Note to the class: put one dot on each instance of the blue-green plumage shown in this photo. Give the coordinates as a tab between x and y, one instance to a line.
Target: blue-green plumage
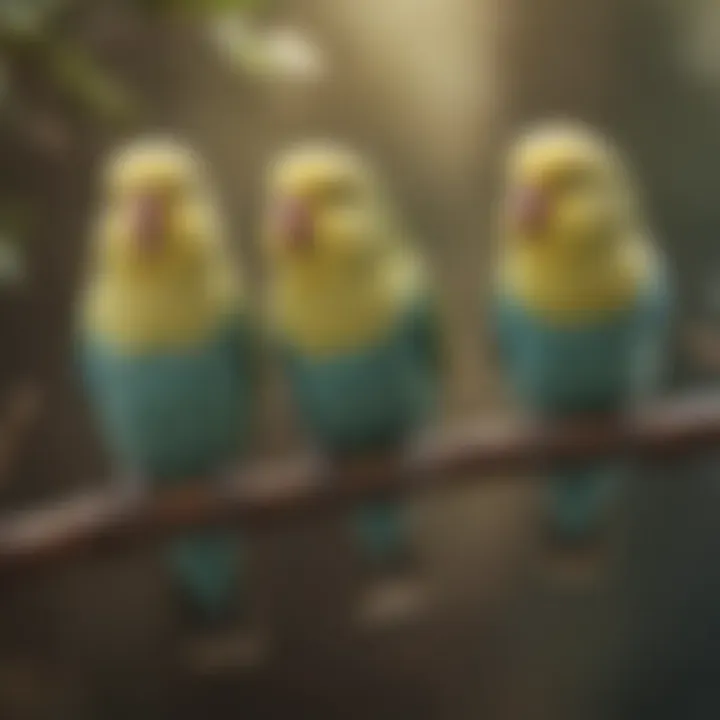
174	416
370	400
558	371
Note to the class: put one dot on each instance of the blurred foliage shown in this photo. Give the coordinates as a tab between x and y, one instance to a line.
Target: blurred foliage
14	220
47	70
269	54
202	6
36	37
12	268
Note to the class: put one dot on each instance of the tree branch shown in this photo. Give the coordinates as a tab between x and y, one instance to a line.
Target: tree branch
268	493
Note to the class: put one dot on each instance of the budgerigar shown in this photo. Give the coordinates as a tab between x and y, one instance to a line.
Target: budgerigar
582	301
353	315
166	347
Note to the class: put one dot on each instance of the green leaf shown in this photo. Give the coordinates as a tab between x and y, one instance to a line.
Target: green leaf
12	264
214	6
27	17
15	218
79	76
205	7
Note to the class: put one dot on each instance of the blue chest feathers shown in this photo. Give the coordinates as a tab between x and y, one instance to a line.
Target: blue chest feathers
368	398
175	413
589	366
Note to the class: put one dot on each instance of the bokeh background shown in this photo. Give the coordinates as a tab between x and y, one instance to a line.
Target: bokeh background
432	90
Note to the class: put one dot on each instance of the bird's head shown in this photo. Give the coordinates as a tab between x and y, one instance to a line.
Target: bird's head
154	195
567	194
323	211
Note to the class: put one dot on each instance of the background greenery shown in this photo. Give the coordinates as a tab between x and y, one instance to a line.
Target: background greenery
49	76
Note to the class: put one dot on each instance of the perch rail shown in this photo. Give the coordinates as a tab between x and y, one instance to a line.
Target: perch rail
268	492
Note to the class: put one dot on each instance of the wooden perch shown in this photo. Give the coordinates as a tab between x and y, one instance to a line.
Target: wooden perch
276	492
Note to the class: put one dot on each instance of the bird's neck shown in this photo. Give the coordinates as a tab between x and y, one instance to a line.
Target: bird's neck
337	312
565	289
156	313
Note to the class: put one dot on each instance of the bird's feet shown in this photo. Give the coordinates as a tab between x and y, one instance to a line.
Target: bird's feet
227	649
234	640
393	596
391	602
577	560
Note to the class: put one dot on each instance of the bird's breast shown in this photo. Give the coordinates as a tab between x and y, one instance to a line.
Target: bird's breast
363	396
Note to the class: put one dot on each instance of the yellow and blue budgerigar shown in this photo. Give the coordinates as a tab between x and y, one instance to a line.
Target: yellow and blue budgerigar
166	345
582	300
352	312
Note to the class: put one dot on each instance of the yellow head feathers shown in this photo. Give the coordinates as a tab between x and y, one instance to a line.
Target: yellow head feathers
161	274
159	163
339	269
572	239
309	165
156	214
568	191
324	211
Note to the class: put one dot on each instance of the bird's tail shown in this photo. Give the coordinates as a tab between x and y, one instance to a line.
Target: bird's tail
207	569
381	529
581	497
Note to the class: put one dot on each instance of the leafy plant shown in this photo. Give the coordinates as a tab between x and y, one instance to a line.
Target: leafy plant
36	39
14	220
42	61
12	268
203	7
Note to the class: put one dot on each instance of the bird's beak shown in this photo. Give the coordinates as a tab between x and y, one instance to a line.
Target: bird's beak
294	224
151	222
530	210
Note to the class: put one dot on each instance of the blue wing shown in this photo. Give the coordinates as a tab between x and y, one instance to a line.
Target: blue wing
426	333
499	333
654	329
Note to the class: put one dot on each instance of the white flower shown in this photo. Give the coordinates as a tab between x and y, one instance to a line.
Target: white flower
276	53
